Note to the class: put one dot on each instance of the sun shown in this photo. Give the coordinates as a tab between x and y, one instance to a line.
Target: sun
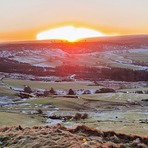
69	33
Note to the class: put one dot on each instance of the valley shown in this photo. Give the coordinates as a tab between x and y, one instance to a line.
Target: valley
105	87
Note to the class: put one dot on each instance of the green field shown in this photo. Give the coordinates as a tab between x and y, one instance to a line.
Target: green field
106	111
15	119
142	57
6	91
47	85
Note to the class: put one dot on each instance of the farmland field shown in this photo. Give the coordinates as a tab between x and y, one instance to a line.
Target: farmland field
117	111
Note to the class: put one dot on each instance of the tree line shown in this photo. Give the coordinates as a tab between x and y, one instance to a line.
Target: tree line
81	72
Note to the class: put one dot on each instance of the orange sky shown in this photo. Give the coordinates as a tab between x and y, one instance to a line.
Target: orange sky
24	19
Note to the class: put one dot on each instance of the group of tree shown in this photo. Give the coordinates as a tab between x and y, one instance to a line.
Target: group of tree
82	72
94	73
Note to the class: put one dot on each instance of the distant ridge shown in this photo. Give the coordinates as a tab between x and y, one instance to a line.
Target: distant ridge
120	37
93	39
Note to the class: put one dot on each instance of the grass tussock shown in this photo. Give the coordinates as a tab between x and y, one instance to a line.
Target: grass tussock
61	137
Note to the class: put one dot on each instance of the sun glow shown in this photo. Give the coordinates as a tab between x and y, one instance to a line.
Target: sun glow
69	33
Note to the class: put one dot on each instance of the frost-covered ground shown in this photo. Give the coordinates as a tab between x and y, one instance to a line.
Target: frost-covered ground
49	57
106	111
37	57
127	58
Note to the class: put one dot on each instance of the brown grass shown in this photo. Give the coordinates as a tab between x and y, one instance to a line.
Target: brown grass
61	137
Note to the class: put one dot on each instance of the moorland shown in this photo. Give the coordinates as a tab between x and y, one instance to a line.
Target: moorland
101	83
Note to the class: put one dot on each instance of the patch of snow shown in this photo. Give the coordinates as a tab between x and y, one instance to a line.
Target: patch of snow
43	65
51	112
17	89
24	104
61	92
48	106
138	50
56	108
5	100
52	122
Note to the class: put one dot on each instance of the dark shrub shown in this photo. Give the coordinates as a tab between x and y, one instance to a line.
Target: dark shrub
52	91
40	111
77	116
46	93
71	92
27	89
139	92
97	91
85	116
87	92
105	90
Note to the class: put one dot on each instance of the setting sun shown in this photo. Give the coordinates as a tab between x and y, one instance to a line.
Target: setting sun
69	33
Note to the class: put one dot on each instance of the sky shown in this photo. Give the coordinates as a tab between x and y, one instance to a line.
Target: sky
24	19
